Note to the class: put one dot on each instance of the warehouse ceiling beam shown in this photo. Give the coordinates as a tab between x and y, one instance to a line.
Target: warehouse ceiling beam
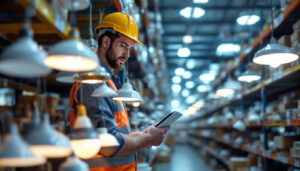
220	8
14	28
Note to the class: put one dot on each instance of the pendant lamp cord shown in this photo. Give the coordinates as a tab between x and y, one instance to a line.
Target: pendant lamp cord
91	33
272	24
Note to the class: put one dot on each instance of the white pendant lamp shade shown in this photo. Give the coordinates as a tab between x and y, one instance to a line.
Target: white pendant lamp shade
99	75
65	77
107	140
84	138
48	142
103	91
274	55
228	89
24	59
126	93
73	164
73	56
75	4
15	152
249	76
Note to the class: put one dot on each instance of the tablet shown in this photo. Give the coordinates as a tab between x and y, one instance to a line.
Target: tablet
169	119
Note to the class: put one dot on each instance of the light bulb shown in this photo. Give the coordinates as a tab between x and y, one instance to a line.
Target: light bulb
86	148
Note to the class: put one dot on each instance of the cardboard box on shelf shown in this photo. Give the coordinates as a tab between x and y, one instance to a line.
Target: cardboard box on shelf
285	142
295	152
252	160
296	144
285	40
237	162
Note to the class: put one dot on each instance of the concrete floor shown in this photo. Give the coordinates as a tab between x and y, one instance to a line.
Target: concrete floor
183	159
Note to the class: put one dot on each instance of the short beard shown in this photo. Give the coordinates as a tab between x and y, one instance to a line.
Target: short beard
112	62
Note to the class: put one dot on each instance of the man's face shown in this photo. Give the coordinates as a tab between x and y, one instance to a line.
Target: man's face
118	52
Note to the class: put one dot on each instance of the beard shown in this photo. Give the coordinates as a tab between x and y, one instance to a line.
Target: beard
112	59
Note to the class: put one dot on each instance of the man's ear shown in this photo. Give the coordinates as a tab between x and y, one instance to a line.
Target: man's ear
105	42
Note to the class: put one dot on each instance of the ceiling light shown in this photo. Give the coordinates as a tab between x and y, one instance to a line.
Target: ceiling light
185	93
228	88
203	88
190	99
74	163
65	77
126	93
207	77
99	75
46	141
103	91
191	64
200	1
107	140
247	19
75	4
15	152
186	12
84	138
175	103
176	88
198	12
227	49
199	104
176	79
190	84
187	75
179	71
249	76
187	39
183	52
274	55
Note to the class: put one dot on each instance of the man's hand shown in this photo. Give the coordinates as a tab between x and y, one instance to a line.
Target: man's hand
156	135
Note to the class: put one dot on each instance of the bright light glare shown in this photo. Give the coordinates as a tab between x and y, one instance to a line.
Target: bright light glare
224	92
228	49
190	84
203	88
183	52
179	71
186	12
248	78
185	93
200	1
187	39
207	77
176	79
176	88
190	99
86	148
191	64
247	19
275	59
198	12
175	103
187	75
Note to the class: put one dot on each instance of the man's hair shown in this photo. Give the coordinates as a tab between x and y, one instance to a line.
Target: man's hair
111	35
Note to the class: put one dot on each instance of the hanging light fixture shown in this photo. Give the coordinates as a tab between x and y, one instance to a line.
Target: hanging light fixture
136	103
65	77
103	91
274	54
93	77
24	57
75	5
46	141
249	76
15	152
73	164
84	138
126	93
228	89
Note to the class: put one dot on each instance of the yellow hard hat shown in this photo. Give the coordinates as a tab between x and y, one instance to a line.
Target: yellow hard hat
122	23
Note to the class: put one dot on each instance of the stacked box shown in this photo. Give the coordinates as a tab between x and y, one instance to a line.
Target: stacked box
295	151
237	162
285	142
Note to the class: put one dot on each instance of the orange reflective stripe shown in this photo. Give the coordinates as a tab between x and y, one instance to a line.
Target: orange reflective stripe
127	167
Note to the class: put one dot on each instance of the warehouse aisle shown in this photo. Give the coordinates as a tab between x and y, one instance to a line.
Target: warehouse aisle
183	158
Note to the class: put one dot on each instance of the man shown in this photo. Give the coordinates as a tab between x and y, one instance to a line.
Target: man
118	32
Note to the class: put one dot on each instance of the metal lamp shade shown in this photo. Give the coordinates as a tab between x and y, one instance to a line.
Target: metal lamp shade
126	93
107	140
103	91
24	59
249	76
73	56
65	77
92	77
48	142
15	152
75	4
73	164
274	54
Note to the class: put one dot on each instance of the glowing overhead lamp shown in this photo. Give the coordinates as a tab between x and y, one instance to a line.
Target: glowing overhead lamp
249	76
24	57
15	152
126	93
200	1
73	164
187	39
247	19
228	89
75	4
274	54
46	141
65	77
92	77
184	52
103	91
189	12
136	103
84	138
228	49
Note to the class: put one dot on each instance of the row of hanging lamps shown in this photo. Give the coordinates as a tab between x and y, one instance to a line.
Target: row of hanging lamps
84	138
72	55
249	76
24	57
274	54
45	140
